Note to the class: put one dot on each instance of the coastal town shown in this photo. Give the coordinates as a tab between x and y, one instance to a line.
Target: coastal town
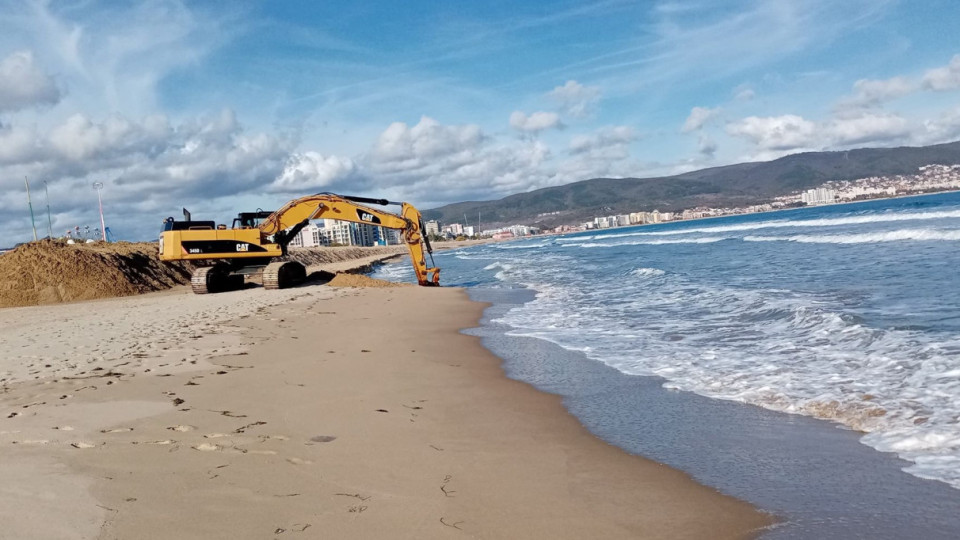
932	178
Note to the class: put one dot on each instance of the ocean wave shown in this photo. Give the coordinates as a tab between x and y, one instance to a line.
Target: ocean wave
864	238
703	240
824	222
647	272
774	348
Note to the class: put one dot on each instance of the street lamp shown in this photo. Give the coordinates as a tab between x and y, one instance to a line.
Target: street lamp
99	186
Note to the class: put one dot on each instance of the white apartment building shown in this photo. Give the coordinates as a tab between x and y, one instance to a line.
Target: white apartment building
432	227
333	232
819	196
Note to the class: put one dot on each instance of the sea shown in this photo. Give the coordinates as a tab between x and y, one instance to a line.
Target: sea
805	360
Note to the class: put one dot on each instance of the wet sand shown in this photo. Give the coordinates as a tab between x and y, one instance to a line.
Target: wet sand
312	412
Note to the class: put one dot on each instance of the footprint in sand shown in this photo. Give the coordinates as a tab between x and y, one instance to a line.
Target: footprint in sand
182	428
63	428
298	461
215	435
207	447
31	441
82	445
117	430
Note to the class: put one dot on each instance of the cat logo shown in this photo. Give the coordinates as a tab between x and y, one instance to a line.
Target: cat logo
243	247
367	217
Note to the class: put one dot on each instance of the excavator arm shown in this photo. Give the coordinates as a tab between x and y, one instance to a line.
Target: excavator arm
286	222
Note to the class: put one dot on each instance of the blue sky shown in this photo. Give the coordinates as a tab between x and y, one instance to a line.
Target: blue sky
229	106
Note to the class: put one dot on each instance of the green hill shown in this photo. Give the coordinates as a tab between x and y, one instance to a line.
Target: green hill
731	185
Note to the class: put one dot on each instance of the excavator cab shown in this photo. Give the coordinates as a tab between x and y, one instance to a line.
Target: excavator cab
250	220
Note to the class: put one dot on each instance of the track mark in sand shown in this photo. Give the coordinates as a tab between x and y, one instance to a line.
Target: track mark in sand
161	443
215	435
117	430
31	441
454	524
231	414
181	428
298	461
242	429
356	508
447	492
322	438
63	428
265	438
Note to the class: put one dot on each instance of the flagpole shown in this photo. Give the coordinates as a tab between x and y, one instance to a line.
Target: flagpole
30	204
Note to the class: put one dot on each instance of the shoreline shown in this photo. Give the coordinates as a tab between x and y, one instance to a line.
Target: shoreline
289	436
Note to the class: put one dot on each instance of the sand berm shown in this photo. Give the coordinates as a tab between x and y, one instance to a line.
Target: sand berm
49	272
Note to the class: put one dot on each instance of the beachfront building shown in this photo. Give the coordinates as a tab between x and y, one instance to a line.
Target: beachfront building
331	232
819	196
432	227
469	230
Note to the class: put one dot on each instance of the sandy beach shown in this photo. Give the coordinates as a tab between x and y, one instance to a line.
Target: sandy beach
314	412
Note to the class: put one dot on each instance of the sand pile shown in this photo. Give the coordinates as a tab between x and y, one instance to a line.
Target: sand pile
357	280
48	272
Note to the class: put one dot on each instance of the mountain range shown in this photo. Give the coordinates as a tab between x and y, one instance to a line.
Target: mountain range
742	184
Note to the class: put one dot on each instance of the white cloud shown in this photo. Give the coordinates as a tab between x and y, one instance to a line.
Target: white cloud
576	99
148	166
404	148
744	93
870	93
23	84
535	122
310	171
943	78
787	132
699	116
611	142
866	128
946	127
706	146
792	133
435	163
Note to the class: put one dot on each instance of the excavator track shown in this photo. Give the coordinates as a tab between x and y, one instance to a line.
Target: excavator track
214	279
283	274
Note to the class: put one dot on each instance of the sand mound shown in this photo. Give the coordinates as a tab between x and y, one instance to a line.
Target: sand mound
48	272
357	280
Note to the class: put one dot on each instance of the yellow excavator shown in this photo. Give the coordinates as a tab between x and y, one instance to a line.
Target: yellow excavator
257	242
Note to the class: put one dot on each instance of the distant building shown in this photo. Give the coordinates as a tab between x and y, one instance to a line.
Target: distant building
819	196
433	227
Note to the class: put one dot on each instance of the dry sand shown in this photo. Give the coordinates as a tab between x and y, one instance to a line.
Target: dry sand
307	413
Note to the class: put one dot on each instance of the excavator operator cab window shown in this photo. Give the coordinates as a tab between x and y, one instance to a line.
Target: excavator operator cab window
250	220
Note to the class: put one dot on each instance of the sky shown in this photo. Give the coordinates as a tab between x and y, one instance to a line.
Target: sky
222	107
